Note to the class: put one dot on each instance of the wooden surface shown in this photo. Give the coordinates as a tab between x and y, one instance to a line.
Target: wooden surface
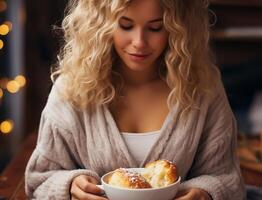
12	179
250	156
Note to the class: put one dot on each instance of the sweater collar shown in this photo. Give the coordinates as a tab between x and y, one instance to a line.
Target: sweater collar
158	147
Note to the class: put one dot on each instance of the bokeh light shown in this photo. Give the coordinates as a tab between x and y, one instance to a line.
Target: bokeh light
20	79
1	93
12	86
9	24
4	29
1	44
7	126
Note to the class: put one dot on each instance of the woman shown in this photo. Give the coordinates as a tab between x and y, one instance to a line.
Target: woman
136	84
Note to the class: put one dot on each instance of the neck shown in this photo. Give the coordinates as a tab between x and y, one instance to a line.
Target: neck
138	78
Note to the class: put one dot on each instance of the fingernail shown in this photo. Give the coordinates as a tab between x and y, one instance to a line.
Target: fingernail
103	194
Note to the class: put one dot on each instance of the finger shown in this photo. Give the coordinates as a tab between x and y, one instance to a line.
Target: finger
77	193
86	186
183	195
94	181
182	198
95	197
91	180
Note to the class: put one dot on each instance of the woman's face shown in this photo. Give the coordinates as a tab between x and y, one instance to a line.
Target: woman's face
141	37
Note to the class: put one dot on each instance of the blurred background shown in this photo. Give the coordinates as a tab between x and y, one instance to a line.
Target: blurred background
29	45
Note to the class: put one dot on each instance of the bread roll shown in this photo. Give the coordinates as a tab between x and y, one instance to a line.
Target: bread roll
157	174
160	173
125	178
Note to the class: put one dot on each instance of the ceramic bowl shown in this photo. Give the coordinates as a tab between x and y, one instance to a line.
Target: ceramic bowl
116	193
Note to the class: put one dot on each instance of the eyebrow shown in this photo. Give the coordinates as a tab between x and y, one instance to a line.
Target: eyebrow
151	21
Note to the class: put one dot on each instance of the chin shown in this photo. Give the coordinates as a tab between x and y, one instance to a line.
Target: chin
141	69
137	67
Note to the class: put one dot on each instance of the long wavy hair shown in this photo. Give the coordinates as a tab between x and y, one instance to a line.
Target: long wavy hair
87	57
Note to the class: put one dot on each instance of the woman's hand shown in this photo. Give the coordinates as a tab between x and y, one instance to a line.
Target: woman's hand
84	188
193	194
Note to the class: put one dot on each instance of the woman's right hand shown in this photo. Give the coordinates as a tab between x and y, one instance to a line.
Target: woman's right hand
84	187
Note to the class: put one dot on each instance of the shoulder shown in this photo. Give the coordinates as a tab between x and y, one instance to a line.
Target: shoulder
62	113
214	100
55	100
58	109
213	86
218	109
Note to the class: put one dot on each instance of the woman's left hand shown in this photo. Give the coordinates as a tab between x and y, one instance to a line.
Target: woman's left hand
193	194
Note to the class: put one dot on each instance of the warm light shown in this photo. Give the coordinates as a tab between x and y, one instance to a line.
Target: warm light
7	126
4	29
1	44
9	24
20	80
3	6
1	93
12	86
3	82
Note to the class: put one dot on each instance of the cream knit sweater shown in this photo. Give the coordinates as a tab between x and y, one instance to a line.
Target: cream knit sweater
73	142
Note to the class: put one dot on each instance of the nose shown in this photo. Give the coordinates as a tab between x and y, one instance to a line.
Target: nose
139	40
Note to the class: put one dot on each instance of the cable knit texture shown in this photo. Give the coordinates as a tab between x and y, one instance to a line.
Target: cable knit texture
73	142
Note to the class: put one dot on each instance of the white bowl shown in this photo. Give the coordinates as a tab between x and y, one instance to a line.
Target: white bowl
116	193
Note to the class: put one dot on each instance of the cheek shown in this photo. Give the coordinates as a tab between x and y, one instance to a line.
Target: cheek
160	43
120	40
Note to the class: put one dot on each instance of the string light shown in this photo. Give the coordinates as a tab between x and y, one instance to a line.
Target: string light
9	24
4	29
1	44
12	86
1	93
20	79
7	126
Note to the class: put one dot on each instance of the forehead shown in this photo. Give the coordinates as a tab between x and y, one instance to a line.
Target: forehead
143	9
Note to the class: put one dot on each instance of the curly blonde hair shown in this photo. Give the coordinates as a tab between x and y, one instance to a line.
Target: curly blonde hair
87	58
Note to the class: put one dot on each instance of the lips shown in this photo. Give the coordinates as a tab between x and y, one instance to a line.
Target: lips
138	57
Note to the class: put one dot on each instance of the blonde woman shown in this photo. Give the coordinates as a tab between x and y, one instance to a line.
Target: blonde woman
135	83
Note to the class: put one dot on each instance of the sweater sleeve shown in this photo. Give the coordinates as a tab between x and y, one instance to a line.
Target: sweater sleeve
53	164
215	168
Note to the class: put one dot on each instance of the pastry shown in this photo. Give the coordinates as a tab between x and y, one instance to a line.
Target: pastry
160	173
125	178
156	174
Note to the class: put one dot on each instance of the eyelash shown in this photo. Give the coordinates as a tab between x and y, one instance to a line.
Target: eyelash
127	28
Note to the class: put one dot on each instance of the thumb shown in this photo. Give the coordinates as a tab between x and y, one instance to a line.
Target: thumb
92	180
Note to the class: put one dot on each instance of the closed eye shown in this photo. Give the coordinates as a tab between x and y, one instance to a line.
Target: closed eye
156	29
129	27
126	23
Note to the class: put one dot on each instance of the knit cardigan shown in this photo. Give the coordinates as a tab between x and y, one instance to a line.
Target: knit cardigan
73	142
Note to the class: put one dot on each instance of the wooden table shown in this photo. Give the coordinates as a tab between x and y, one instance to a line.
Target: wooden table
250	156
12	179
